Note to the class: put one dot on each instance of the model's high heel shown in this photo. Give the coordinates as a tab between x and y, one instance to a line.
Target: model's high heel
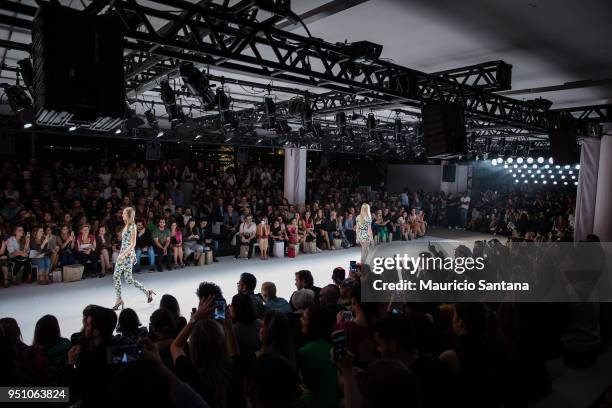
150	294
118	303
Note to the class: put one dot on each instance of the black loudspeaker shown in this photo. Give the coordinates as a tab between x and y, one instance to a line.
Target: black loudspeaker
444	129
448	173
78	63
563	138
153	151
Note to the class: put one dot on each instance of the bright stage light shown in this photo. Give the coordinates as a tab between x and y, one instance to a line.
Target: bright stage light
565	183
554	182
552	176
536	181
523	175
538	171
544	182
505	166
542	176
500	160
557	167
573	177
529	160
547	166
550	160
533	176
519	160
570	172
562	177
494	162
520	171
540	160
516	181
529	171
575	183
535	166
560	171
515	166
514	175
510	160
526	181
577	167
549	171
524	166
567	166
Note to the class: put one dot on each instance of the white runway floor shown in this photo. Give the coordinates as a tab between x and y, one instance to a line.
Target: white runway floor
27	303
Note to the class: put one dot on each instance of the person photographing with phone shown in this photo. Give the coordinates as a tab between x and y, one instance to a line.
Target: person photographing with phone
127	259
213	365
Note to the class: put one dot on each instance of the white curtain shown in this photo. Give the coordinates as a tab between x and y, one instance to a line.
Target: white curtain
295	175
587	188
602	223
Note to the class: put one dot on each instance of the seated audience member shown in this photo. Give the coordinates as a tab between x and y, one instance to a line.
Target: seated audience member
66	242
144	244
247	233
471	362
247	285
246	324
4	263
176	241
161	240
338	275
304	280
274	383
127	326
162	329
88	372
328	298
52	246
163	388
349	229
271	301
104	248
207	289
300	301
39	252
48	339
85	245
275	336
263	237
18	248
190	242
379	389
317	369
213	367
30	362
170	303
205	238
396	338
359	329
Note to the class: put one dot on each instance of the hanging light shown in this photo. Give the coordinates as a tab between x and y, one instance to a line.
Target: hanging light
540	160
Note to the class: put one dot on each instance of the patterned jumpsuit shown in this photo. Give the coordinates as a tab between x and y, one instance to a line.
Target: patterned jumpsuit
125	264
364	238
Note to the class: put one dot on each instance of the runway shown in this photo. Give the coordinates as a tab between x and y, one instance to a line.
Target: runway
27	303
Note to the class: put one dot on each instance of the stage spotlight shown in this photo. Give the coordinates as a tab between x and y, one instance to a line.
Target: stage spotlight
494	162
552	176
549	171
540	160
20	104
529	160
557	166
510	160
524	166
198	85
515	166
555	183
570	172
567	166
565	183
535	181
516	181
573	177
550	160
228	139
175	113
505	166
270	113
538	171
544	182
577	167
500	160
535	166
526	181
153	123
118	131
514	175
575	183
519	170
28	125
542	176
523	175
519	160
560	171
197	137
562	177
529	171
72	128
259	141
547	166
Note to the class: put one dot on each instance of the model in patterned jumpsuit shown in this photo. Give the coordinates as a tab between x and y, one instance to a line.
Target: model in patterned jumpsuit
127	259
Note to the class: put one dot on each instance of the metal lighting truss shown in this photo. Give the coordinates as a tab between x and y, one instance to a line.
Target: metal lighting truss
211	34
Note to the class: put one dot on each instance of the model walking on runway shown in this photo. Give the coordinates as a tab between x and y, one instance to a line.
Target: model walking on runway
364	231
127	259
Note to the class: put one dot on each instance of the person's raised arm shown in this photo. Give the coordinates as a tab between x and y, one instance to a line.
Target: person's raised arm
205	308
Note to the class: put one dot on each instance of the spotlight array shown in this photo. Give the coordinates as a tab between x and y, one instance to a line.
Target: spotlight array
541	170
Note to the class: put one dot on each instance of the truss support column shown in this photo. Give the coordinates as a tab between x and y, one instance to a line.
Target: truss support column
602	225
295	175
